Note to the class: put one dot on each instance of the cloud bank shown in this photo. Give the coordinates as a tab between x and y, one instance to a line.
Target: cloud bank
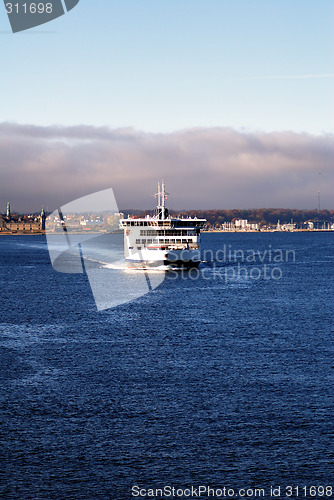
203	168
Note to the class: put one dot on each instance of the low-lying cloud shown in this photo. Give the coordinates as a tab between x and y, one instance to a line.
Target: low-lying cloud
202	167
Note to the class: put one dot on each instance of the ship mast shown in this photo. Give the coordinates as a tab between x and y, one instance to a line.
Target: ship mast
161	211
163	197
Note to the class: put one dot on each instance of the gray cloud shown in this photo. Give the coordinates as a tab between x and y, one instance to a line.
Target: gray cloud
202	167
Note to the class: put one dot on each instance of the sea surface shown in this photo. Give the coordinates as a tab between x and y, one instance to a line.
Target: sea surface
222	377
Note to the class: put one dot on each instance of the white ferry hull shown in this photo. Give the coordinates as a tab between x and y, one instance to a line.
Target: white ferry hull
148	258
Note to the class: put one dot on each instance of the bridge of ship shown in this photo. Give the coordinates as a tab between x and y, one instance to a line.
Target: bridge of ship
167	234
166	223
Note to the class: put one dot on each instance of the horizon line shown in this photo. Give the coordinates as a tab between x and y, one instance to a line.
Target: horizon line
14	212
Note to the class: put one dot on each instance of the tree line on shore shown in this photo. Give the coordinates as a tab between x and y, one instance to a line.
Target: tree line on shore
259	215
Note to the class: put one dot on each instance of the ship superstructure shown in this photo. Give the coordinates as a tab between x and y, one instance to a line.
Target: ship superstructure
162	240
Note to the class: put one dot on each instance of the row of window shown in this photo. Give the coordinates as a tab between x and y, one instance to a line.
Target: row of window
145	223
163	242
161	232
191	223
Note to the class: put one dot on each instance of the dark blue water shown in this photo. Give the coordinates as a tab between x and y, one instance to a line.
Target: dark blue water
218	379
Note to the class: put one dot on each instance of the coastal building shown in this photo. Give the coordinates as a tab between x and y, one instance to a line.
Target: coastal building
241	224
244	225
20	224
290	226
2	223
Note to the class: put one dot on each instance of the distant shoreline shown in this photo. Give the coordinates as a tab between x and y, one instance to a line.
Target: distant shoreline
273	231
16	233
8	233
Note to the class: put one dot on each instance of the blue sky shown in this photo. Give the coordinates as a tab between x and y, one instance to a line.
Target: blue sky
235	96
165	65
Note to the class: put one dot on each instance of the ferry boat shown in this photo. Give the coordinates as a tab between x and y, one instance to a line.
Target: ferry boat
162	240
